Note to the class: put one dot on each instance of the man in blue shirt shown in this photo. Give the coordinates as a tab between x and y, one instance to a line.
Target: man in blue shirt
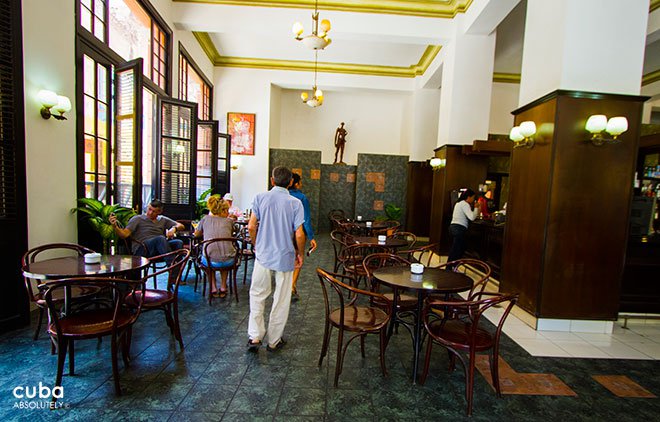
294	191
276	228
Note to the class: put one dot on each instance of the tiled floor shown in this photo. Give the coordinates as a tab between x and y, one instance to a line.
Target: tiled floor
215	379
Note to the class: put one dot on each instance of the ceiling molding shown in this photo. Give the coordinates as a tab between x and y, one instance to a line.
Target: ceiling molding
298	65
424	8
649	78
654	5
507	78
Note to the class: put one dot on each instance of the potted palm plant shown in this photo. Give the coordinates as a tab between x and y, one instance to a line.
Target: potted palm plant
97	216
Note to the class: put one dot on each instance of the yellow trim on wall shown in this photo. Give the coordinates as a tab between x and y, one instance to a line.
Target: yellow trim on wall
507	78
649	78
298	65
654	5
425	8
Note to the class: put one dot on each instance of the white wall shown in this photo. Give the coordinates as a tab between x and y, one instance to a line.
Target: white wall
49	63
504	100
424	124
50	144
377	123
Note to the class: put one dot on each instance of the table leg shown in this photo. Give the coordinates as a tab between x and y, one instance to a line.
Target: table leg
394	319
418	334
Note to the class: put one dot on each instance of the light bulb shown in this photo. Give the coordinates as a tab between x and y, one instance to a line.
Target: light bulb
325	25
527	129
47	98
297	28
304	96
515	134
617	125
596	123
318	93
63	104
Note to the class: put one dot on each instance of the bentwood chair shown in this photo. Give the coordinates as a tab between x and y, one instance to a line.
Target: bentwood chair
109	318
349	310
36	294
340	240
205	250
406	304
409	237
166	300
352	257
463	337
427	255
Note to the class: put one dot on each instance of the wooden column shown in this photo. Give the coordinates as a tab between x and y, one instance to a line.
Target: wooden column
460	171
568	209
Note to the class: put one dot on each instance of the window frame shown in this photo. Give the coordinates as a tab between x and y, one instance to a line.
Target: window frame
183	53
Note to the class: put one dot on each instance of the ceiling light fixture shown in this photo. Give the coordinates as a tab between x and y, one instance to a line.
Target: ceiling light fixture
317	95
318	39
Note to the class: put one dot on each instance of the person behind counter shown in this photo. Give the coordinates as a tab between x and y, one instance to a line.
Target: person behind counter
460	219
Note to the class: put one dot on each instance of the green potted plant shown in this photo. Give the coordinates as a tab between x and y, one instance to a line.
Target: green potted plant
200	206
98	214
393	212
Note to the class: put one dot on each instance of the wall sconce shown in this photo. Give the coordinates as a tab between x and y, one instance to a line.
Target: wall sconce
50	102
522	135
598	123
437	163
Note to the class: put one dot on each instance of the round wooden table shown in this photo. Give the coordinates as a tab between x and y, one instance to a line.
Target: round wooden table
432	280
74	266
372	240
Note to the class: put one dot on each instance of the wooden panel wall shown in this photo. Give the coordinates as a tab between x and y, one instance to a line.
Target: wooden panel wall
419	196
461	171
568	210
526	213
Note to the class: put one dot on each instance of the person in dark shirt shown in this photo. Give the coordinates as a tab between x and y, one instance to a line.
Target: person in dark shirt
294	190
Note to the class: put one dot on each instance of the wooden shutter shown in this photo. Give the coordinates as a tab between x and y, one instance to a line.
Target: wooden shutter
14	310
223	163
128	131
177	123
207	155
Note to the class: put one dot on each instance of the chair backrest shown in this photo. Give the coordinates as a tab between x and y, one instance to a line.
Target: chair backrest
474	309
208	246
427	255
374	261
336	217
350	228
175	260
52	250
115	291
409	237
346	293
352	256
478	270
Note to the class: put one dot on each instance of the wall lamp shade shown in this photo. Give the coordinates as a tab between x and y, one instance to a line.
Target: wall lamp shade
522	136
437	163
598	124
51	102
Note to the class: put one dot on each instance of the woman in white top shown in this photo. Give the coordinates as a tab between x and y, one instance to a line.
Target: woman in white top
460	219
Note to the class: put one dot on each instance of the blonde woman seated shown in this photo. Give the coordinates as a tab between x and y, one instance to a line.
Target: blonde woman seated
222	254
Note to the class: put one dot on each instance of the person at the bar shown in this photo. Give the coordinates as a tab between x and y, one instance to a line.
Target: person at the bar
463	214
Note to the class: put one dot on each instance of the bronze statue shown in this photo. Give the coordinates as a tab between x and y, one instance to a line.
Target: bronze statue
340	142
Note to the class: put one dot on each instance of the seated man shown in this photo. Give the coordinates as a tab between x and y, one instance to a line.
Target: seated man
234	211
152	229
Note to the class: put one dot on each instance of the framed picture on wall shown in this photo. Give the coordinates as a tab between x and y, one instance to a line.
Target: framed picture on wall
241	128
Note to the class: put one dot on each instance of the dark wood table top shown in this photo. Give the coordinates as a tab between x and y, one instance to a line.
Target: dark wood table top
73	266
373	240
374	224
431	280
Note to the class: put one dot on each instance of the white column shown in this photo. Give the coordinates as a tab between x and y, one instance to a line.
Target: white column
467	79
425	124
585	45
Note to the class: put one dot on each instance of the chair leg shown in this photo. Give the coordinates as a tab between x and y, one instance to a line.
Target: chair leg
383	345
362	344
115	369
61	356
39	321
326	340
427	361
469	384
233	272
129	338
168	317
71	359
494	371
177	329
340	356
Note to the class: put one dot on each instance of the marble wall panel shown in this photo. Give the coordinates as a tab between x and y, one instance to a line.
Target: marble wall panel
337	192
308	164
381	180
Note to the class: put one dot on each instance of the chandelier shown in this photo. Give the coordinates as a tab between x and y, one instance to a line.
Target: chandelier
317	95
318	39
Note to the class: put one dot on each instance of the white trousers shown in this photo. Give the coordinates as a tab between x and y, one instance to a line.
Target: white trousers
260	289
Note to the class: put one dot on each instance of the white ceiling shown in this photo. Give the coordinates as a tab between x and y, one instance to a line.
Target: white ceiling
365	39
